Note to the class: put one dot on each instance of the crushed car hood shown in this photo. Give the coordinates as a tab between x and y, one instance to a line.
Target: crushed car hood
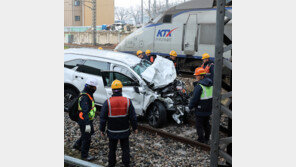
161	73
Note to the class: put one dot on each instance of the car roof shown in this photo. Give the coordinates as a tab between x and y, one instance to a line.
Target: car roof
129	59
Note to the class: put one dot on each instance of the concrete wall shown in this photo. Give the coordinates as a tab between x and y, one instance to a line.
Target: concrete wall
103	37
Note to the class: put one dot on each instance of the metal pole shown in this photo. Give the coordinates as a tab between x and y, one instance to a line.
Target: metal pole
220	14
94	20
73	17
154	8
78	162
149	10
142	11
167	4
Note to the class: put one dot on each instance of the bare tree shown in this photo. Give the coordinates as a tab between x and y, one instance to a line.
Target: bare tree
152	8
135	14
147	9
121	13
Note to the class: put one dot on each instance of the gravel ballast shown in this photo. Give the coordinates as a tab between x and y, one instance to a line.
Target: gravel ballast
146	149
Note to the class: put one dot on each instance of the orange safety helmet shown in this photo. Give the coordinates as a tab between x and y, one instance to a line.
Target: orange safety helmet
200	71
173	53
148	51
116	84
100	48
139	52
205	56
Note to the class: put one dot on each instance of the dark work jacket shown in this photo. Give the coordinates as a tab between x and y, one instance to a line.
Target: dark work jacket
202	107
131	119
211	72
145	57
176	65
85	104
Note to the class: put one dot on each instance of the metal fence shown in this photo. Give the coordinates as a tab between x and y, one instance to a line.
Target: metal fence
82	28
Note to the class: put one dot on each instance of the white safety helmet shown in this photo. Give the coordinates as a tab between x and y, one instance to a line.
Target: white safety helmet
91	82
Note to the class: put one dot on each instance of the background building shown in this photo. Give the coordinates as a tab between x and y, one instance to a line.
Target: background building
77	12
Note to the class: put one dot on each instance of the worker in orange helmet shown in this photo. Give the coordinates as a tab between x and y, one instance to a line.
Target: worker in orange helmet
208	65
173	58
150	57
140	54
201	103
118	113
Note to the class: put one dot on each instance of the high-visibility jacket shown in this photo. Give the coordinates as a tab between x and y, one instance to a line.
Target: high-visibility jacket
202	97
92	112
119	116
118	120
207	68
207	92
152	58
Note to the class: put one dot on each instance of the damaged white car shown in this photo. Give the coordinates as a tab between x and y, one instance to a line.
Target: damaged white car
153	88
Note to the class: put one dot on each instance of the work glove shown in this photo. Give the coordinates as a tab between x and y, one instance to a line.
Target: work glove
187	109
87	128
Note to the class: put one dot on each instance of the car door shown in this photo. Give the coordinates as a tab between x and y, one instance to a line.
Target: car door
131	88
92	68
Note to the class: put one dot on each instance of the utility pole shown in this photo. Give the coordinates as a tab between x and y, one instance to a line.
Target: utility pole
167	4
154	8
142	12
94	21
149	10
93	9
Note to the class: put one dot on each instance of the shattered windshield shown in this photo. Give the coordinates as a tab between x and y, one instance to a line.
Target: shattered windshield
141	67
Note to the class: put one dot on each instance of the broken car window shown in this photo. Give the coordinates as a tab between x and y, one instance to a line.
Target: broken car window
73	63
141	67
124	70
109	77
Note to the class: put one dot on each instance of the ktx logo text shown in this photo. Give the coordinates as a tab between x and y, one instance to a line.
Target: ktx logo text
165	33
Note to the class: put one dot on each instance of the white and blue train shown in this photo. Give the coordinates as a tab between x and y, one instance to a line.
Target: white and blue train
188	28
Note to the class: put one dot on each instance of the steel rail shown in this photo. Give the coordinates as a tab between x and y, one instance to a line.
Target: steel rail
78	162
174	137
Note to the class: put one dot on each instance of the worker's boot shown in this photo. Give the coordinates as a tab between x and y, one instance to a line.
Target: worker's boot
89	158
207	141
76	147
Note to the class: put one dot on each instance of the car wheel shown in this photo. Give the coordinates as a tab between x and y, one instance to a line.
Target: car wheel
69	95
157	115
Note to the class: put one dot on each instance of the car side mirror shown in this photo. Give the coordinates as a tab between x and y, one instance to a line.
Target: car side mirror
136	89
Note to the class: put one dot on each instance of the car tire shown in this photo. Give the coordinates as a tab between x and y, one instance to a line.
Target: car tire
69	94
157	115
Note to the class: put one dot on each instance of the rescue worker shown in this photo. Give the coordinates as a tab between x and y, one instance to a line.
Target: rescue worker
201	102
100	48
141	55
87	109
118	112
173	58
151	58
208	65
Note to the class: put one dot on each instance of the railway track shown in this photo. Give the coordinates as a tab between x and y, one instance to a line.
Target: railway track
173	137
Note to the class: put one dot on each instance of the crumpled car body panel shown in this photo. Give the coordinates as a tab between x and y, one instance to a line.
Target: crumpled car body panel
161	73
